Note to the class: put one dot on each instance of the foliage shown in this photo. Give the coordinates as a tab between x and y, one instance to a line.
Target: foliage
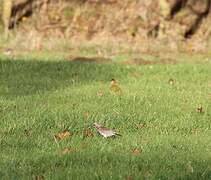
108	21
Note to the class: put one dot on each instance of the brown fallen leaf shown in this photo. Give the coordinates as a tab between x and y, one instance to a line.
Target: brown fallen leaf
171	81
27	132
39	177
100	93
87	133
129	178
136	152
195	131
62	135
68	150
141	125
199	109
86	115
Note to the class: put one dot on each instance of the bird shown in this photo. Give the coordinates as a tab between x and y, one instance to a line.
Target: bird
114	87
105	132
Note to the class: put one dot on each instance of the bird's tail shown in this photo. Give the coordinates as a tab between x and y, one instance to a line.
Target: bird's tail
118	134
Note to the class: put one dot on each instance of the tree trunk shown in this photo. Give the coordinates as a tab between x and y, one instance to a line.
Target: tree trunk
6	14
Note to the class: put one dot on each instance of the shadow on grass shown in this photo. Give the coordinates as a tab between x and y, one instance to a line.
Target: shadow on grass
102	165
21	78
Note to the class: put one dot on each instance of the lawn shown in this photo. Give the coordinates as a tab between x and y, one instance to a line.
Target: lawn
163	135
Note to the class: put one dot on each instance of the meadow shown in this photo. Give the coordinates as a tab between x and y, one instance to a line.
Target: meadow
163	116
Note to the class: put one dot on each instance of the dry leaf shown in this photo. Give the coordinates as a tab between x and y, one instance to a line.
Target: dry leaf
62	135
171	81
68	150
136	152
195	131
86	115
39	177
141	125
99	93
199	109
87	133
27	132
129	178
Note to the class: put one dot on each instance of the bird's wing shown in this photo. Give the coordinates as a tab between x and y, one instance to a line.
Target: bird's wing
106	133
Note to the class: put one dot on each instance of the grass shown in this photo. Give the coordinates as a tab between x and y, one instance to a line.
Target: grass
163	136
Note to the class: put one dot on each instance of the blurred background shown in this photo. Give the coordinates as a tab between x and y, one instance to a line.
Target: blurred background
106	26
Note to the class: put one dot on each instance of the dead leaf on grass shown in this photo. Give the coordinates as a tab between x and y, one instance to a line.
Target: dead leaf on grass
87	133
130	178
62	135
136	152
199	109
39	177
86	115
100	93
68	150
141	125
195	131
171	81
27	132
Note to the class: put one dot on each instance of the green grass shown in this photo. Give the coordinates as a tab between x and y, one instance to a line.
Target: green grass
39	99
